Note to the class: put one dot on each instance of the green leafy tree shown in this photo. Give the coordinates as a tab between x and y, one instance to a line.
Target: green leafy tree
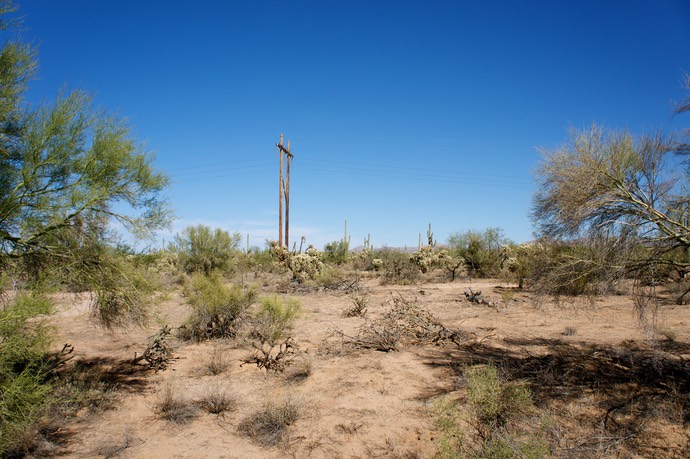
202	249
619	188
67	171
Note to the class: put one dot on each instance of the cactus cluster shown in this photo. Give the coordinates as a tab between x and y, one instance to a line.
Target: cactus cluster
305	266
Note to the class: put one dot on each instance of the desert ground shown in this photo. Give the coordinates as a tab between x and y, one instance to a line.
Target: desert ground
607	388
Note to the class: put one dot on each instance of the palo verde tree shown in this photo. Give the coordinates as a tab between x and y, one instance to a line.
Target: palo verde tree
202	249
67	172
624	190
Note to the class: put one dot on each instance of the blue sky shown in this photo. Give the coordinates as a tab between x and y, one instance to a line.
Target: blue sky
399	113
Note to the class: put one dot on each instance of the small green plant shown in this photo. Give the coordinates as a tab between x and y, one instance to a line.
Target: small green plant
268	426
494	407
271	332
24	390
447	418
217	310
494	402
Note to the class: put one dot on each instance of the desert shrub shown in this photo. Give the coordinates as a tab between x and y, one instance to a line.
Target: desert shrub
495	406
586	267
268	425
24	389
217	310
305	266
481	250
358	306
398	268
201	249
494	401
271	333
337	252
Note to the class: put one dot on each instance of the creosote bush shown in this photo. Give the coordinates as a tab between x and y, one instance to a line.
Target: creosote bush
217	309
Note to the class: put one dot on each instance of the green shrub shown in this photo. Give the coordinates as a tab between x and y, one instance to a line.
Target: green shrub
337	252
498	411
481	250
271	332
217	310
201	249
494	402
24	389
275	319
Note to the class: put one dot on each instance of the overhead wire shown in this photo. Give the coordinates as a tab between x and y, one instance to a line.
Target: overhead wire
234	168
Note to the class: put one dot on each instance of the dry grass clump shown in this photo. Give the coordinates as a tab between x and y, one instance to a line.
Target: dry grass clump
172	406
216	363
268	426
113	447
217	400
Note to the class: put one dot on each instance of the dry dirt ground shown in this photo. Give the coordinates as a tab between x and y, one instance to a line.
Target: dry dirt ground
606	389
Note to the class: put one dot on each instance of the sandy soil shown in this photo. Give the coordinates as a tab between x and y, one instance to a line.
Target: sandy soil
366	403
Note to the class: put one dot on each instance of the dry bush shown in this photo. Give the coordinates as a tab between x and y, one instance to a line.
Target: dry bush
173	406
300	369
216	399
216	363
404	321
268	426
159	353
358	308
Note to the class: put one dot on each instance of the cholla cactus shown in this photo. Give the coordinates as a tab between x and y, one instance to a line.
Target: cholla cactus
305	266
426	258
377	264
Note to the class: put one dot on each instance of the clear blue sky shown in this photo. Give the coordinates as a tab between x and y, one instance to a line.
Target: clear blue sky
400	113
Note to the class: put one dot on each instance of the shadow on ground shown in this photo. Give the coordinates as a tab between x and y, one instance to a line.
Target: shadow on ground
631	383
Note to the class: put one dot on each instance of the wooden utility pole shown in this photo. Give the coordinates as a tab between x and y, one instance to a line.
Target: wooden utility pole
284	195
